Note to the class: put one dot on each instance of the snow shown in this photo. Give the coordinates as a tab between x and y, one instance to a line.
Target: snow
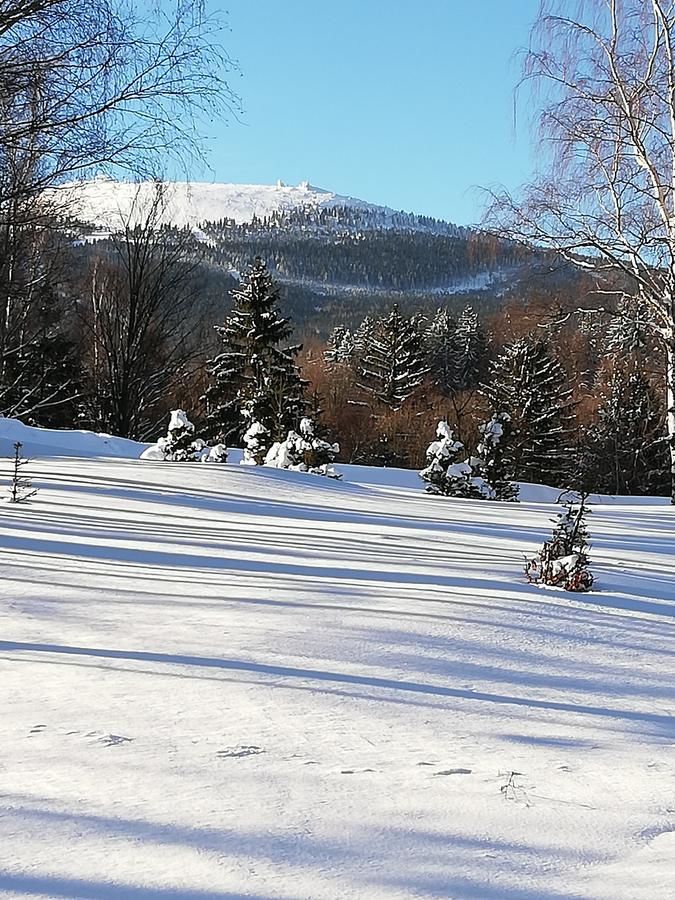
226	682
62	442
107	203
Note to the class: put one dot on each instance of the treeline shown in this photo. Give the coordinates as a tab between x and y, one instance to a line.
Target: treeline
339	247
580	390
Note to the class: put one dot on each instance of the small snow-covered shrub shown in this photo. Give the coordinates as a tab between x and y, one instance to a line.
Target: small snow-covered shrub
256	439
181	445
304	452
444	473
563	560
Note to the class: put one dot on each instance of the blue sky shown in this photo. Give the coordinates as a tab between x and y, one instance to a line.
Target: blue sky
408	104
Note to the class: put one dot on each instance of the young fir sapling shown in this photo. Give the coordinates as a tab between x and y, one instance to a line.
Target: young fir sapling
563	559
21	487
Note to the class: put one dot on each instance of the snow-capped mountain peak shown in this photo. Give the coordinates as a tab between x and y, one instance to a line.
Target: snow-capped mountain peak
107	203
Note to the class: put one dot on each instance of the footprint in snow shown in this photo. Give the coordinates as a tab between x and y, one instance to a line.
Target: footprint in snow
113	740
37	729
238	752
106	740
355	771
454	772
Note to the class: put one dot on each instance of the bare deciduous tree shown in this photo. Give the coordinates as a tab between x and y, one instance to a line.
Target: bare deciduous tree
140	294
604	80
106	83
85	87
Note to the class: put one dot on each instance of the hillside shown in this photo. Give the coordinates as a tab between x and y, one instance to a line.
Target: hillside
334	254
226	683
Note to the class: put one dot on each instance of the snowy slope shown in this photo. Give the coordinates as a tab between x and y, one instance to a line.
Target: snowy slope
108	203
63	442
224	683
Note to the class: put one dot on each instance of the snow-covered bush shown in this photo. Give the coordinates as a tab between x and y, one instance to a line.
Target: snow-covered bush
256	439
181	445
445	473
304	452
563	560
493	458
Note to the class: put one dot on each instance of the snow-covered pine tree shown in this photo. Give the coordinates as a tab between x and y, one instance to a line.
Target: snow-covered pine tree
443	351
563	559
181	444
257	444
254	378
623	452
393	365
362	339
304	452
493	456
340	346
445	474
469	350
530	385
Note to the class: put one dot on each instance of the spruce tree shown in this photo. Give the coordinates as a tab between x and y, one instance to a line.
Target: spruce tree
530	385
304	451
445	472
254	378
469	350
563	559
393	365
622	452
21	487
340	346
494	459
443	351
362	339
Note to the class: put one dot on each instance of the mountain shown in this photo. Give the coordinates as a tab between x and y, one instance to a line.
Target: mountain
337	257
107	203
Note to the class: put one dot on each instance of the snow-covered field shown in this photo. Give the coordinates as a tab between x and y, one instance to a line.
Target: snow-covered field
222	682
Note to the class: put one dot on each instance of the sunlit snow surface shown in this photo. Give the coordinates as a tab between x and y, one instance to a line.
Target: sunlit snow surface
109	204
221	682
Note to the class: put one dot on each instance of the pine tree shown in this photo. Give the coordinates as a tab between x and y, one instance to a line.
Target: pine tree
494	457
563	559
257	444
622	451
340	346
445	474
362	339
394	364
304	452
443	351
529	384
181	444
469	350
255	378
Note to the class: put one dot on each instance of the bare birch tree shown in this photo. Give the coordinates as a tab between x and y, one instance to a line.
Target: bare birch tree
603	75
120	83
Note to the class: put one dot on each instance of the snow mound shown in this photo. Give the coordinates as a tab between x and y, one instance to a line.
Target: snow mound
45	442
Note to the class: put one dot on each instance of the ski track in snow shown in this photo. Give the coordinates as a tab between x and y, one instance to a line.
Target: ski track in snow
224	683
